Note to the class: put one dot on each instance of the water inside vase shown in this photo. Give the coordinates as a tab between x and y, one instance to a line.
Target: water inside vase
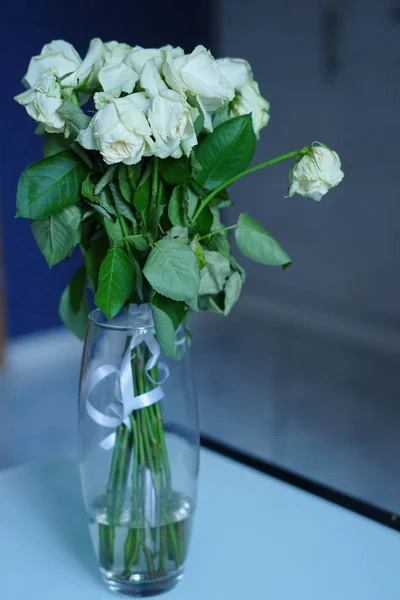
142	547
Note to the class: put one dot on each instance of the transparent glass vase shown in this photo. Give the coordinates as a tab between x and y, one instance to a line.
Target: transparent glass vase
139	451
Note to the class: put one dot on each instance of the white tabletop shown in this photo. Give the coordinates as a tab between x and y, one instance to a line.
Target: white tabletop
254	538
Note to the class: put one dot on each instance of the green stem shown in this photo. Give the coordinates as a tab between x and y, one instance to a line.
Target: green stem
115	494
154	187
160	191
118	474
151	457
132	543
228	182
125	232
161	438
203	237
144	219
106	534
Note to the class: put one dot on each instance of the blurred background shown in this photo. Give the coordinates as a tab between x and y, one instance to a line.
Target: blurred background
305	371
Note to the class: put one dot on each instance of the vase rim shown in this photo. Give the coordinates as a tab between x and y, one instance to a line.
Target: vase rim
136	318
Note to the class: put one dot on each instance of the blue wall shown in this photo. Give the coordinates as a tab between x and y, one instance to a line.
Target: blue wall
32	291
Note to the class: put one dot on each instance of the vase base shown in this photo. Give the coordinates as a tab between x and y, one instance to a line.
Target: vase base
142	588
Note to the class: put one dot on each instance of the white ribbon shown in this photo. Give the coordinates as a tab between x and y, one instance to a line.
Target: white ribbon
126	398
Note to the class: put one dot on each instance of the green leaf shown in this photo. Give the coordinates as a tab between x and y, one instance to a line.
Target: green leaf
172	269
102	211
238	267
199	252
217	223
49	185
220	243
82	154
216	304
233	287
204	222
101	202
122	207
56	235
77	237
141	196
256	243
154	217
114	231
75	321
74	117
225	152
221	200
213	304
167	316
87	188
221	116
94	256
77	289
138	277
192	201
214	274
124	185
128	180
116	281
193	303
178	207
39	130
105	179
138	241
175	170
53	143
179	233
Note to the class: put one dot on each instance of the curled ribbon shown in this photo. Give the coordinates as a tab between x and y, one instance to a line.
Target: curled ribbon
126	400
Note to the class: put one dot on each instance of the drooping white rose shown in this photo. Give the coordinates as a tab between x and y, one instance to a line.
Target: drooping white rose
58	55
171	119
315	173
247	94
86	74
198	73
120	130
249	100
114	76
42	102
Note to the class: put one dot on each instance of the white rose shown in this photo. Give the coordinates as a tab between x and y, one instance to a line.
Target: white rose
58	55
236	70
86	74
171	119
249	100
151	80
316	173
247	97
120	130
114	76
116	79
138	56
42	102
199	74
114	52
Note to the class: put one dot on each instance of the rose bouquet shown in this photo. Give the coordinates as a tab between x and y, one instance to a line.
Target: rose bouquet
139	148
